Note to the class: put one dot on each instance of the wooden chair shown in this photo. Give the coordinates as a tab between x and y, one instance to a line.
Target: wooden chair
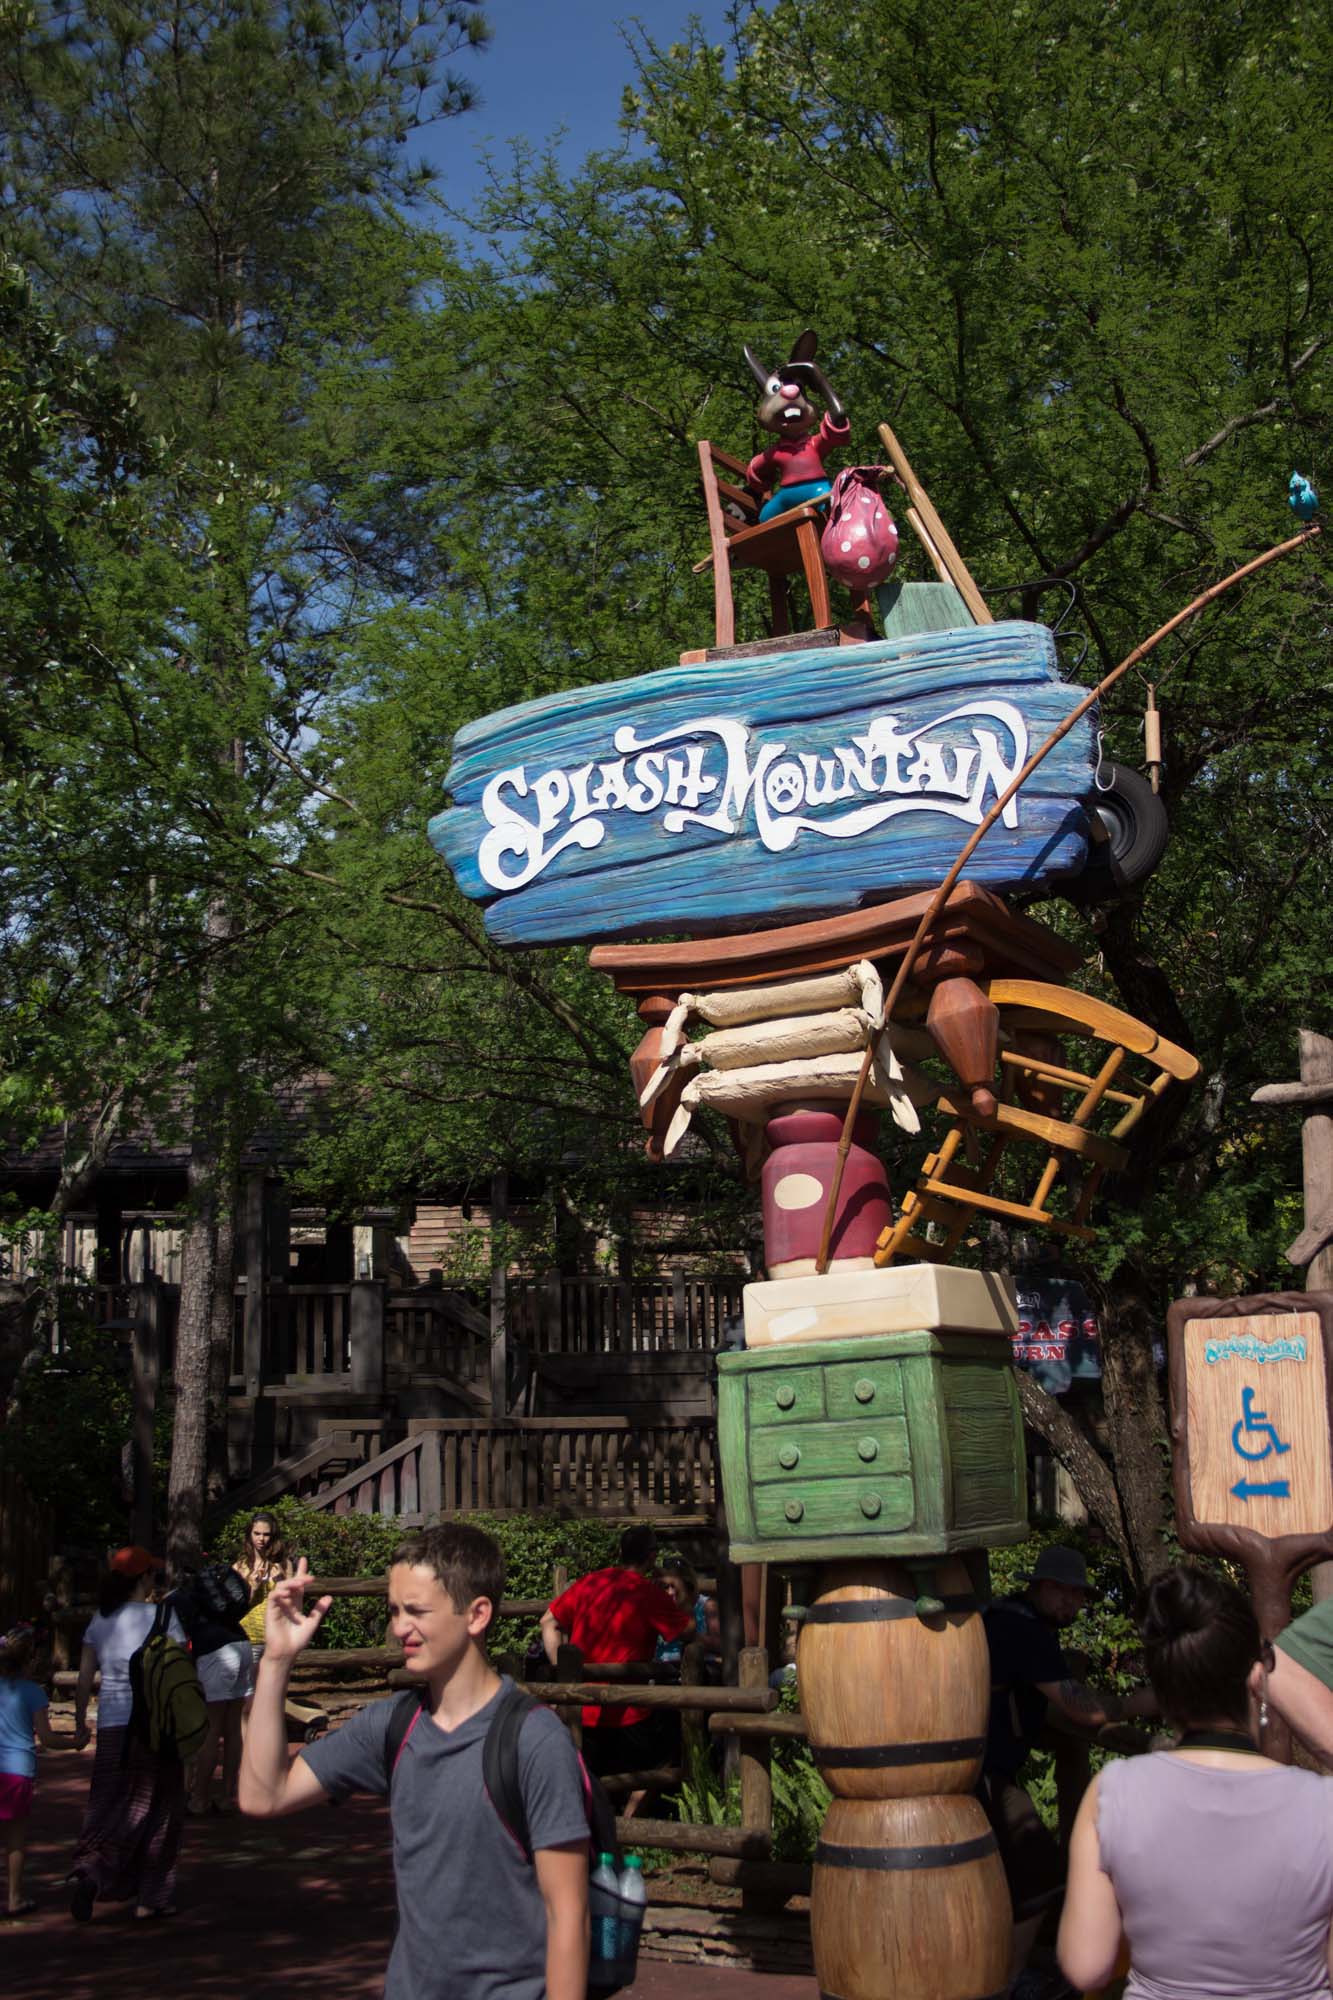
1033	1017
786	546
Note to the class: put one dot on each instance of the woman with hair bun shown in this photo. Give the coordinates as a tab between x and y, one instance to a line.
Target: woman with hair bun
1214	1863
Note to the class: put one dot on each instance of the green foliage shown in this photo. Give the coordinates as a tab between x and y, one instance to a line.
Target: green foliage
67	1433
704	1798
800	1801
800	1797
364	1545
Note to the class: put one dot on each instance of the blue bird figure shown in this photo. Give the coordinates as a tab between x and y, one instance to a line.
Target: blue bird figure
1301	497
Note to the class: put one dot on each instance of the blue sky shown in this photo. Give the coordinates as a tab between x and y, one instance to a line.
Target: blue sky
552	64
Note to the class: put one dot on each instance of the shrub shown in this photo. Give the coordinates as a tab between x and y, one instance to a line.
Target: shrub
363	1545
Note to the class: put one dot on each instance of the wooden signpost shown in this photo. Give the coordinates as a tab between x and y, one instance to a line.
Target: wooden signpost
798	785
1312	1250
1252	1430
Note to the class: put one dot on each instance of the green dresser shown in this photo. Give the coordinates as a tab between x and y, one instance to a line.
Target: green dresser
897	1444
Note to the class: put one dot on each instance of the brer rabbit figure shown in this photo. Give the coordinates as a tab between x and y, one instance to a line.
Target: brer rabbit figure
795	465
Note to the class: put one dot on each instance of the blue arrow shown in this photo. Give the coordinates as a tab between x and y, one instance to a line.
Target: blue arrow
1277	1489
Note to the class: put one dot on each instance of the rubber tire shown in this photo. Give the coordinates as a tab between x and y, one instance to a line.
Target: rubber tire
1136	822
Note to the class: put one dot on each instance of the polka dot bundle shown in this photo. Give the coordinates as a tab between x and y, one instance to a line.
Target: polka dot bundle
860	541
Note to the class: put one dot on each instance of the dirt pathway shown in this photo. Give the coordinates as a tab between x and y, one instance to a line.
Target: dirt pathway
303	1905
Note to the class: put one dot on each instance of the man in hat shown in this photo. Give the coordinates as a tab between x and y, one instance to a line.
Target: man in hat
1029	1679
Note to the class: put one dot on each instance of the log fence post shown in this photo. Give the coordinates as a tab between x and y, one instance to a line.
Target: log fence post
756	1764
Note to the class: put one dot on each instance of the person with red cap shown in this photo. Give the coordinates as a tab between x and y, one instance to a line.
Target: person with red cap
136	1803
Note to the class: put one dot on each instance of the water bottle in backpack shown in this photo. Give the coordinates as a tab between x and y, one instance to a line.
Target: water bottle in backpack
633	1905
605	1971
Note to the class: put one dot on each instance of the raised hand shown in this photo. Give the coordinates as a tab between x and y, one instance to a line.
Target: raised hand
288	1626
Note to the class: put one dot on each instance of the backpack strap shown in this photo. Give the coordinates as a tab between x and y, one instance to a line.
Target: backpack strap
407	1713
601	1817
499	1764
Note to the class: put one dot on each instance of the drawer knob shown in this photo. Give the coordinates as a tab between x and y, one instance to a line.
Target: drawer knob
785	1396
864	1390
867	1449
789	1456
870	1505
795	1508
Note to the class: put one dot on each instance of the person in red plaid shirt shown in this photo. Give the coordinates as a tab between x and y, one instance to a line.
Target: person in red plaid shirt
614	1615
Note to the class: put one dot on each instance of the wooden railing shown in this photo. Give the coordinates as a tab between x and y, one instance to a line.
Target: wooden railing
579	1465
740	1855
323	1334
435	1333
557	1315
309	1330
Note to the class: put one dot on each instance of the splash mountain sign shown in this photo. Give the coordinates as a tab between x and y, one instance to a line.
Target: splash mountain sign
766	791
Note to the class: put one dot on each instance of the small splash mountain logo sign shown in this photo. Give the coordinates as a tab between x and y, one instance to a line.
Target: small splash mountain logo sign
710	797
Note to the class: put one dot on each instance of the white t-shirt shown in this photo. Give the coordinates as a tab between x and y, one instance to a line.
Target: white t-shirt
113	1640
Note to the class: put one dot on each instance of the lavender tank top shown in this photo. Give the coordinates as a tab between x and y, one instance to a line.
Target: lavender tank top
1224	1878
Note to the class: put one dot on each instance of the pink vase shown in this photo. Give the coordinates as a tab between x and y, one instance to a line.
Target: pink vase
798	1174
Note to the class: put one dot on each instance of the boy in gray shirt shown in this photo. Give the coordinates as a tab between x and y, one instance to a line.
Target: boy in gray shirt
477	1919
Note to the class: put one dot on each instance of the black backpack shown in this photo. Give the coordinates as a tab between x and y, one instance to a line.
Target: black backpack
499	1770
220	1592
210	1605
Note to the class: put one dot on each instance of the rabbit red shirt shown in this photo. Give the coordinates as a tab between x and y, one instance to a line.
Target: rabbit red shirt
615	1615
791	464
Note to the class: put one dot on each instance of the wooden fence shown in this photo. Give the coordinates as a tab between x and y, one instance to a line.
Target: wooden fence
557	1315
738	1855
596	1465
26	1548
312	1332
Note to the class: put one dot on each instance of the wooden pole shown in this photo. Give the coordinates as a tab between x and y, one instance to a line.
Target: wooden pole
935	536
1317	1151
974	840
1317	1179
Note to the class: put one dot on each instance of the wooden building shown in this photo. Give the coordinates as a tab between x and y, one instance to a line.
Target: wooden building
382	1362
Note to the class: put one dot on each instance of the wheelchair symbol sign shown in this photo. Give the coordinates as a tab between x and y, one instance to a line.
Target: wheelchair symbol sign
1255	1424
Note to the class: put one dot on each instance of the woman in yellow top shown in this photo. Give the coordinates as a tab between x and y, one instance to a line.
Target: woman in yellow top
262	1562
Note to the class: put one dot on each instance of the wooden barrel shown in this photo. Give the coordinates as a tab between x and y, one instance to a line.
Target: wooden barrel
909	1902
895	1698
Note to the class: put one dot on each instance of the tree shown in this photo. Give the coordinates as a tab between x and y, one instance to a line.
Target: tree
208	196
79	956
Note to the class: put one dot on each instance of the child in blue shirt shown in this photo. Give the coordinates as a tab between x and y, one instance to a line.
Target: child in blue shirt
23	1718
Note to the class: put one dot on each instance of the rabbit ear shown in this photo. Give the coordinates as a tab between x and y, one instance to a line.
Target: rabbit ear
757	368
805	347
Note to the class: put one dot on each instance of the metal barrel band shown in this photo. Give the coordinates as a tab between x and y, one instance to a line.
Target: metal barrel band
881	1610
883	1756
954	1855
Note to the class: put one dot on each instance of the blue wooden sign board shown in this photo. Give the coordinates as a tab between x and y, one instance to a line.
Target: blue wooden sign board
714	797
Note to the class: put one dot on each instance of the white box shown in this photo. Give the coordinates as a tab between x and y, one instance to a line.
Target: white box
902	1298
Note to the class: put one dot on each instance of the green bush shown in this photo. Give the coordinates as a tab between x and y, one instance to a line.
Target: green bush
363	1545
